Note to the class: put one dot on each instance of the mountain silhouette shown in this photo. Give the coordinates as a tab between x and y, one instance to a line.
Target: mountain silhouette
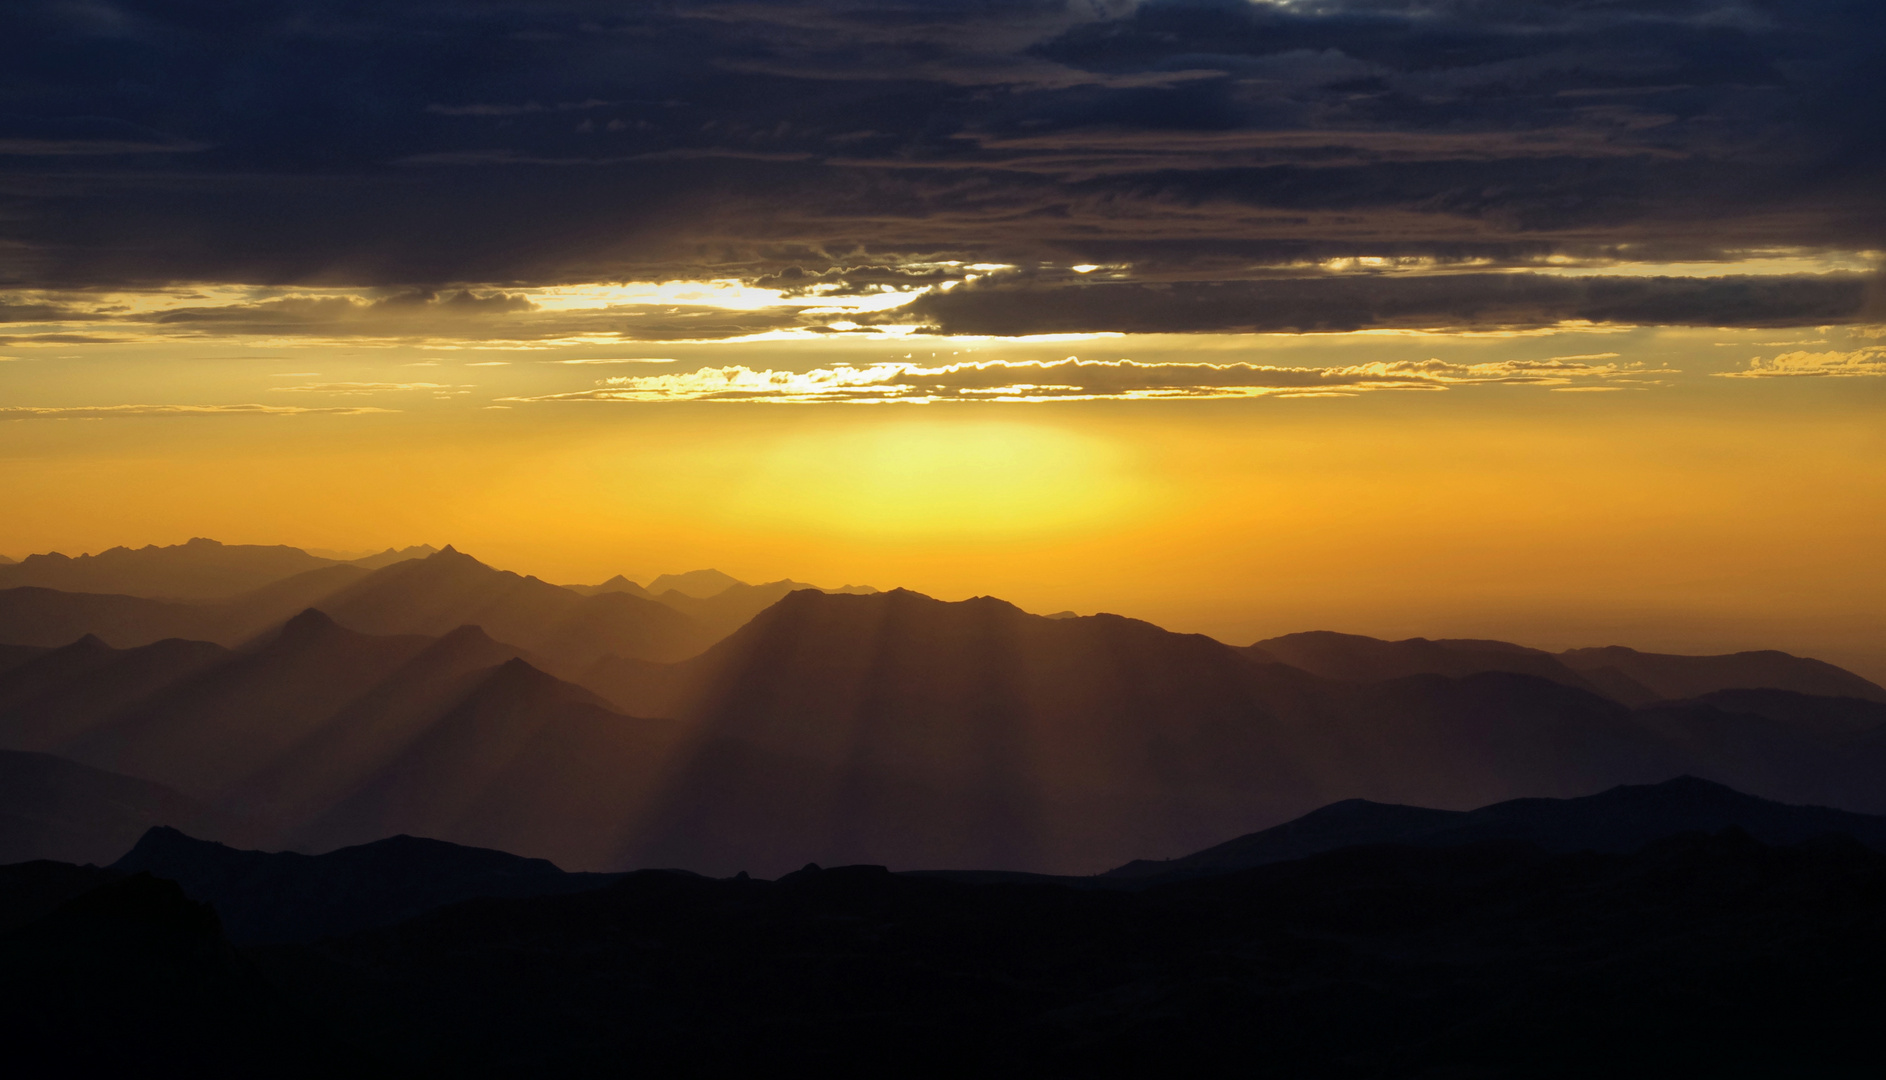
51	808
887	728
271	897
30	891
615	584
134	978
1671	677
699	584
391	556
1699	953
732	607
207	734
61	694
34	616
12	656
30	615
1832	717
199	570
524	763
1354	658
322	737
716	601
368	733
1624	675
447	590
1623	819
902	730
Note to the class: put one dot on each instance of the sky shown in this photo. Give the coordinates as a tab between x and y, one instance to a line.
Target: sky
1559	322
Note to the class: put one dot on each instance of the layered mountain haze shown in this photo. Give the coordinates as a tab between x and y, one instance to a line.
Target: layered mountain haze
711	598
1354	658
441	697
1668	677
199	570
51	808
208	733
62	694
369	732
438	594
1623	819
1623	674
524	763
901	729
699	584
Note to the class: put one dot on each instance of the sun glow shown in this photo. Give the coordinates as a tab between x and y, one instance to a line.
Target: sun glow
923	479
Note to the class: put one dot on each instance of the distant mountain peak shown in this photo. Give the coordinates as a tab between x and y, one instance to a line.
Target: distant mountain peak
470	632
310	623
699	584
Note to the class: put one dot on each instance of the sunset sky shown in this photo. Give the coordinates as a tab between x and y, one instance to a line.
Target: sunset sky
1558	322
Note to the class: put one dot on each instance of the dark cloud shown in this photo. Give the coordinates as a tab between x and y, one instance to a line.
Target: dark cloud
435	144
998	306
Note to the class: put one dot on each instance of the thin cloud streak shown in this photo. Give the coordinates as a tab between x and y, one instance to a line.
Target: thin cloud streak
1811	365
109	412
1086	380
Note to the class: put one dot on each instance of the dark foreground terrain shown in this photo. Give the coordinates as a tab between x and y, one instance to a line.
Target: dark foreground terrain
1697	955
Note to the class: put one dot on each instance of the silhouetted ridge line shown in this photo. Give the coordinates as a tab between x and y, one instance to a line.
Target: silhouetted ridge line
264	897
51	808
1623	819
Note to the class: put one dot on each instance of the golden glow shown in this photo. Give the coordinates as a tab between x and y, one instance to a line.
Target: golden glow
1681	510
936	479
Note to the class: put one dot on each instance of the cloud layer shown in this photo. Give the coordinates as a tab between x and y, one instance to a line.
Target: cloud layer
1084	380
1798	365
450	154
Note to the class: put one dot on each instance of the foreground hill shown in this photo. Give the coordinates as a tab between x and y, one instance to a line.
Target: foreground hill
1623	819
1695	955
904	730
262	896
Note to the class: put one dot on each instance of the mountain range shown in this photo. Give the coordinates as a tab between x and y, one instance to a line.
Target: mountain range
1542	937
442	698
438	696
199	570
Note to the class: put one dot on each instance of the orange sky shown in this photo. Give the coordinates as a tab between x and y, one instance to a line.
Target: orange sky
1676	509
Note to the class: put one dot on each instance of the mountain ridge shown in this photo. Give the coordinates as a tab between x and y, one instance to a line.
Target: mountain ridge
1622	819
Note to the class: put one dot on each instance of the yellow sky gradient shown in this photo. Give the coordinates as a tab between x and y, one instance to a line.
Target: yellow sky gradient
1681	511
